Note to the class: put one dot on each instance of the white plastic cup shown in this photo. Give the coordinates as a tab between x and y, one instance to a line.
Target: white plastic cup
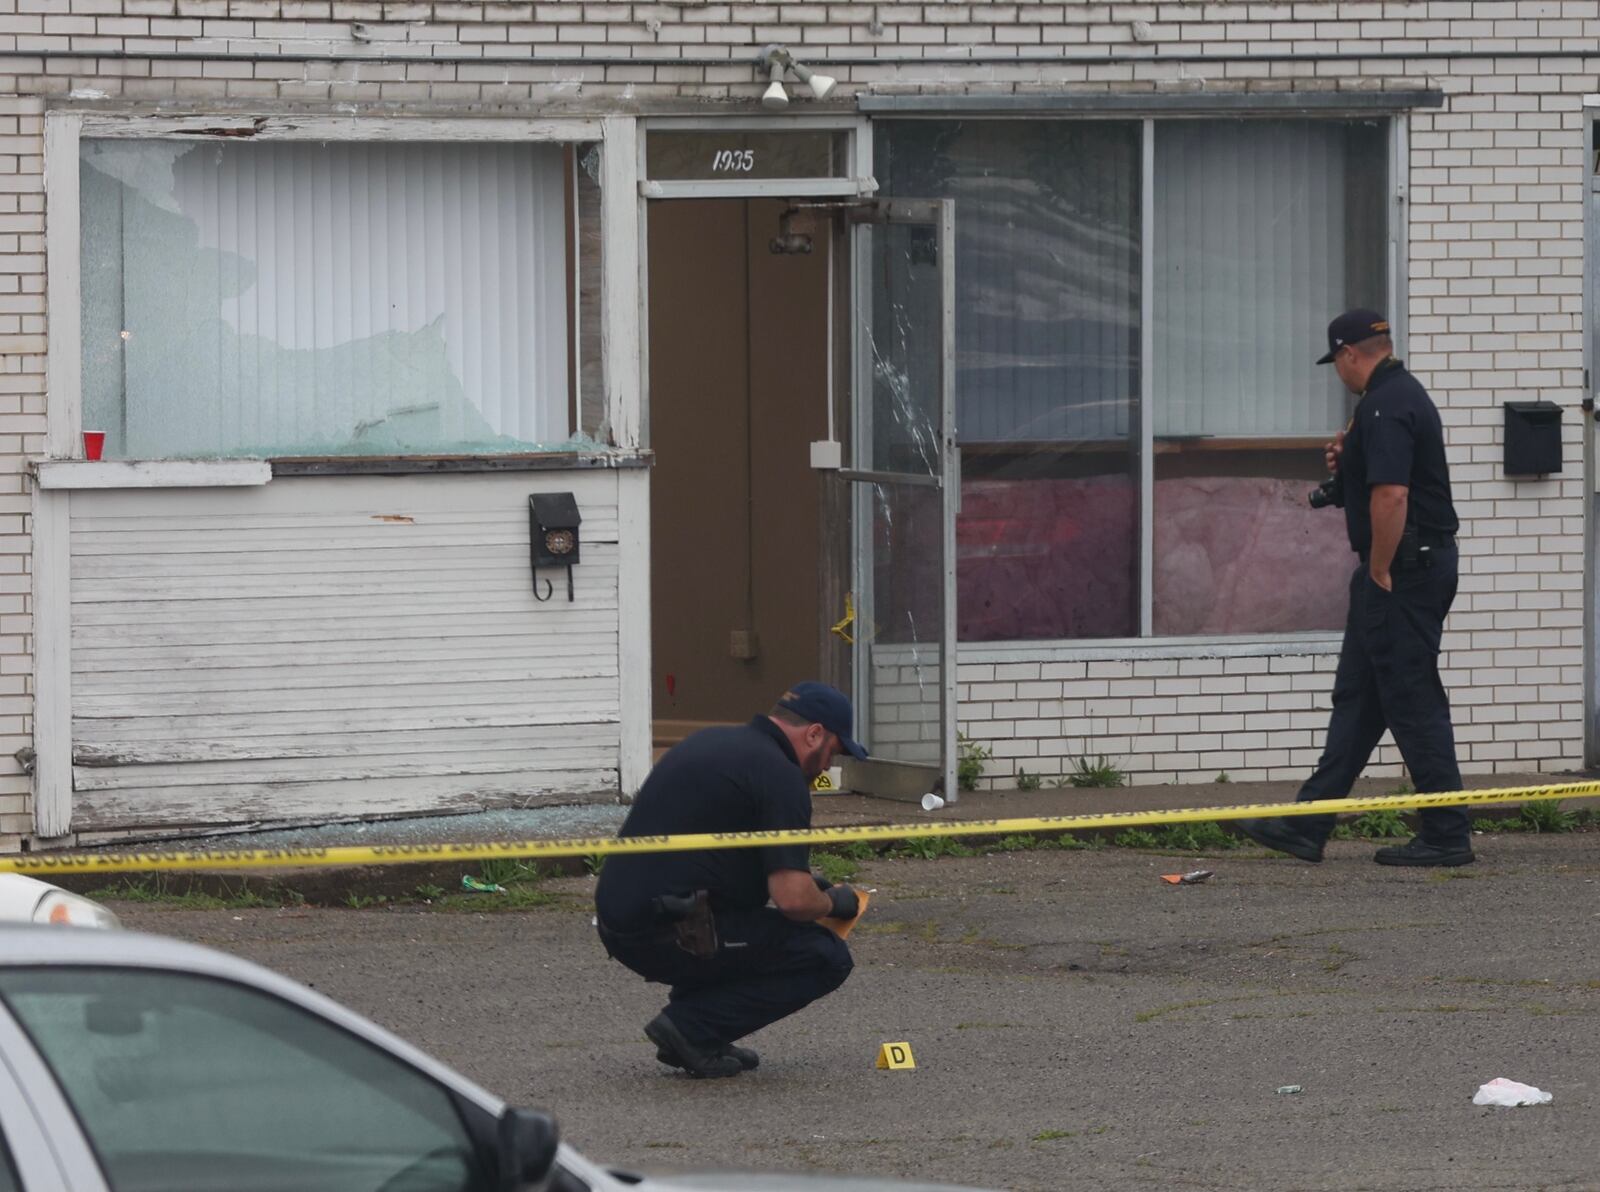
932	802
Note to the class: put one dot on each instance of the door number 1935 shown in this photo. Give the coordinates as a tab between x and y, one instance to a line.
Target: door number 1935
733	161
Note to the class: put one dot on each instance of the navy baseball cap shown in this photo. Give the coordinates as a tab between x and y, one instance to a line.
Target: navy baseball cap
821	704
1351	328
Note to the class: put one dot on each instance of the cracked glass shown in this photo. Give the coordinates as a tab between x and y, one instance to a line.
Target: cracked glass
281	299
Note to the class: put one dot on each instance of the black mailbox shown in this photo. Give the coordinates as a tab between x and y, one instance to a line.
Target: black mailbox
1533	438
553	526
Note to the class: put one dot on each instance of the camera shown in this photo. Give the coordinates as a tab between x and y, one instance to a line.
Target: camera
1329	492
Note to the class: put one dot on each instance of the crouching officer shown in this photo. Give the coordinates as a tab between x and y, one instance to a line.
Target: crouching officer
1391	477
700	921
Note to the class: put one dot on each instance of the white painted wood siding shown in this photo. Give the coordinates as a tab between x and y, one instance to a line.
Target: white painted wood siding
324	647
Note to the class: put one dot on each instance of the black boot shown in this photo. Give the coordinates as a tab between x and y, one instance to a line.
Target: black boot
1281	835
674	1049
1419	852
748	1060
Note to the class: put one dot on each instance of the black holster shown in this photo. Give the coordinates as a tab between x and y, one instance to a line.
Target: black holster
689	917
1411	554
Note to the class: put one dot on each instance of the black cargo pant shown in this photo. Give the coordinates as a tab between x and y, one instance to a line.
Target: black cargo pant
766	967
1388	678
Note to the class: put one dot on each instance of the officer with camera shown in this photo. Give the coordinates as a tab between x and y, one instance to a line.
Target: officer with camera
699	921
1390	476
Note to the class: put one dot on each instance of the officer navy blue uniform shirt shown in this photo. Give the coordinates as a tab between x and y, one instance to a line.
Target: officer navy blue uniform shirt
1395	437
734	779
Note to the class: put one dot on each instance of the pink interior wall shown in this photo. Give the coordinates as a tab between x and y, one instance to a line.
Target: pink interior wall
1055	559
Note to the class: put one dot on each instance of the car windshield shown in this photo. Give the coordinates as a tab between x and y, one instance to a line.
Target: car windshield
188	1084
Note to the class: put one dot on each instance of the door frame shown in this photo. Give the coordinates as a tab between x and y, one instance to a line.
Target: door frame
858	182
1588	415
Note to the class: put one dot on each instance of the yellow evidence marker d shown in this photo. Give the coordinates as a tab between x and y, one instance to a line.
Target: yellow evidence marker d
895	1056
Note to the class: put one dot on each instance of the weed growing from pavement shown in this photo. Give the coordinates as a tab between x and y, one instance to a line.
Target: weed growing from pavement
1027	781
1100	772
928	848
1135	838
970	759
1205	836
1546	815
1373	825
1019	843
503	871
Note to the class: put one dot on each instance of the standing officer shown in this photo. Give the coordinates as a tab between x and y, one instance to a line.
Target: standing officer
1390	465
699	921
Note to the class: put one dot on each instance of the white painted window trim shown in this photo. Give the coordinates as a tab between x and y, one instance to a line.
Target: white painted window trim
55	474
336	128
64	129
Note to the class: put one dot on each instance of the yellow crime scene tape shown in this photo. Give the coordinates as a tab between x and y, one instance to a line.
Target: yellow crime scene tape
589	846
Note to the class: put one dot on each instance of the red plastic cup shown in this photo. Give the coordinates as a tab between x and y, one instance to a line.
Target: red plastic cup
94	442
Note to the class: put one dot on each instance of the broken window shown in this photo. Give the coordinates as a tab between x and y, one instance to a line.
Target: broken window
314	299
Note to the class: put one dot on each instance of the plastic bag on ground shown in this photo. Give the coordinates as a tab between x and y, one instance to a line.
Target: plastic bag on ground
1509	1093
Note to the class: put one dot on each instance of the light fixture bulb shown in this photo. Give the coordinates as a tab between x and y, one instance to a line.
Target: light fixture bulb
775	97
821	85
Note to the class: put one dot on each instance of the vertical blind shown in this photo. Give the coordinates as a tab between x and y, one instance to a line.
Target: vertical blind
1264	230
1047	268
273	299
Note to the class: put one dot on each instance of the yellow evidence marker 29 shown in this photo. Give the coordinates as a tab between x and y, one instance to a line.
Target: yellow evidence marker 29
895	1056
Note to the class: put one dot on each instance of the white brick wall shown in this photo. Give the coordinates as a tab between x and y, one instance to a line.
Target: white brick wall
1496	244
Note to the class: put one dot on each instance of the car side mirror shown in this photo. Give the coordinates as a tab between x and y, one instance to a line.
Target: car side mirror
527	1142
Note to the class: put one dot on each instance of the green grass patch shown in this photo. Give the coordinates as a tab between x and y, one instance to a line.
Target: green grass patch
1546	815
178	892
1205	836
1135	838
834	866
1373	825
928	848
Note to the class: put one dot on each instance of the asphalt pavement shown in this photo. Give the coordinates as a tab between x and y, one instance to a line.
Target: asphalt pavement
1075	1021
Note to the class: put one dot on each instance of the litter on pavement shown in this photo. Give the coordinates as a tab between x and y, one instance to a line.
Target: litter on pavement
1510	1093
1192	878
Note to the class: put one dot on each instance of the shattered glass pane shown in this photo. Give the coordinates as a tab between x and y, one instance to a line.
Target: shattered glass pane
288	299
903	590
1047	365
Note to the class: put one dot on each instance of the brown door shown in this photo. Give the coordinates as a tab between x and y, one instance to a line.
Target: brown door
738	391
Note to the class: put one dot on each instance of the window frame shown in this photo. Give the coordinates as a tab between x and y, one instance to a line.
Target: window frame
64	129
1395	112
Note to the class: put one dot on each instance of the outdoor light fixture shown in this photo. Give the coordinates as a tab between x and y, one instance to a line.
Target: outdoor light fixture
820	84
775	60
